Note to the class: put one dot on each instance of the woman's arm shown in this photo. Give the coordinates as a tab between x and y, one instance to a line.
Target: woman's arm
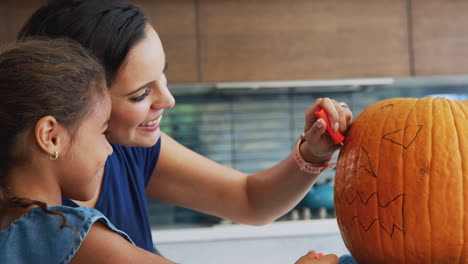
185	178
103	246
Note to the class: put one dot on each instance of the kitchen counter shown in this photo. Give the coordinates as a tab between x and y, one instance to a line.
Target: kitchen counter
279	242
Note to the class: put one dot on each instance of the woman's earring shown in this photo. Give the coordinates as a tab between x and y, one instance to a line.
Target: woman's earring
55	156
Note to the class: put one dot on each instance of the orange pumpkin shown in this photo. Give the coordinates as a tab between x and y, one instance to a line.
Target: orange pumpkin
401	184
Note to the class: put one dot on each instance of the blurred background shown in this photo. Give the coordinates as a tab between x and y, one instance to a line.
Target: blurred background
243	72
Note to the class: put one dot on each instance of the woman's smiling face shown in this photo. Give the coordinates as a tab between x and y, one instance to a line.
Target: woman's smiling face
140	95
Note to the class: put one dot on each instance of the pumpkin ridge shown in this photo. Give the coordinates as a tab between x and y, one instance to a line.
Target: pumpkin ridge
388	114
398	183
404	180
360	137
460	147
460	104
429	182
452	188
382	163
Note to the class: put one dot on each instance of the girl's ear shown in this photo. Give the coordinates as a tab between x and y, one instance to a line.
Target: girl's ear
49	135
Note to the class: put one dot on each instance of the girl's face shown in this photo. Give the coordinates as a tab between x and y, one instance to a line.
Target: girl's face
140	95
83	158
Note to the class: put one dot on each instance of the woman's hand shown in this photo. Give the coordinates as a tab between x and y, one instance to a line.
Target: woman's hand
313	258
318	146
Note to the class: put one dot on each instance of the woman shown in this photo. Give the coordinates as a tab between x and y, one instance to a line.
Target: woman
149	163
54	114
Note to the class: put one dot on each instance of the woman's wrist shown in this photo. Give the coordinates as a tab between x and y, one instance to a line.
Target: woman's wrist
310	157
310	167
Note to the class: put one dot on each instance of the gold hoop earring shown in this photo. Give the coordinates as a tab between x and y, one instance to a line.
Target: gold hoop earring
55	156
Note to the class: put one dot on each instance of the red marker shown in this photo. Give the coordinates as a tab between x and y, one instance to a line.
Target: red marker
335	135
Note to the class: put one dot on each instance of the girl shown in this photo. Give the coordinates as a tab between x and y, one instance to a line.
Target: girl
148	163
54	112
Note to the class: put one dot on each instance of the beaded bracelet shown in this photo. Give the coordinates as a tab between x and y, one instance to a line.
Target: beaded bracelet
306	167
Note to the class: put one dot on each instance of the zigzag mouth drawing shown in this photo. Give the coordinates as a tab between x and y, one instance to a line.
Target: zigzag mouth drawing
365	202
389	233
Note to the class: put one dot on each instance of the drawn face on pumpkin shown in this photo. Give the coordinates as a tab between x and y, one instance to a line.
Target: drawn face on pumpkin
397	155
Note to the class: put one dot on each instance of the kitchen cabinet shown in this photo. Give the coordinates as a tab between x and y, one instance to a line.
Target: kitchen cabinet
220	41
268	40
440	37
13	14
209	41
176	24
3	26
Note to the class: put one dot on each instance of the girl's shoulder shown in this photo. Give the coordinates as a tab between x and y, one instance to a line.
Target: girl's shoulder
82	218
44	237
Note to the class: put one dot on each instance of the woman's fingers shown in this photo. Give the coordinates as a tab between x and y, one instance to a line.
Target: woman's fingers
318	143
333	112
318	128
339	115
344	115
327	104
347	113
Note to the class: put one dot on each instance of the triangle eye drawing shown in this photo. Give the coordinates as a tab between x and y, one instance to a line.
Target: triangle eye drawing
363	163
404	137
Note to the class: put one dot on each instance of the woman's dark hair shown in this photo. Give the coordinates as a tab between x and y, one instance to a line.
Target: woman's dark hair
109	28
40	78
